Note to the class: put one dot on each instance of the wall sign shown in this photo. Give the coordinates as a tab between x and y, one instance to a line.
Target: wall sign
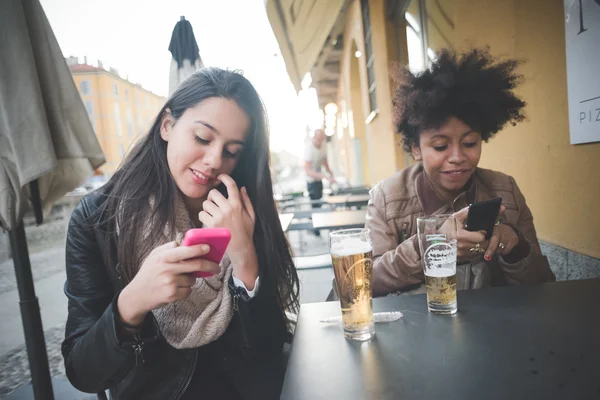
582	31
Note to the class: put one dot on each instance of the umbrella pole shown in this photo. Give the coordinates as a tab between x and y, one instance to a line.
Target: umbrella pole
30	314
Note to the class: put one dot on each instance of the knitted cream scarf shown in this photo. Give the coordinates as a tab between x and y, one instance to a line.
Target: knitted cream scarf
206	313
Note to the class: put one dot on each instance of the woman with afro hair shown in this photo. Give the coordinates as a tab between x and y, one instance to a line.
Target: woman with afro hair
444	114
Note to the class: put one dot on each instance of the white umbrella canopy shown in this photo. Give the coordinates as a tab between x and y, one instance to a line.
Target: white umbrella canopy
45	133
47	148
186	55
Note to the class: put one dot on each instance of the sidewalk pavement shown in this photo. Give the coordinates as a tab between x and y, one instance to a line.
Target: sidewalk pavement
62	391
49	276
53	307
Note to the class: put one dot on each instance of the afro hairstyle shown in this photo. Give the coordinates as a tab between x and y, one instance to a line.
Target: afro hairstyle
472	86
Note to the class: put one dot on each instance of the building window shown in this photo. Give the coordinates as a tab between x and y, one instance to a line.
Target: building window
420	55
126	95
370	59
122	151
140	124
85	88
439	27
129	122
115	90
118	121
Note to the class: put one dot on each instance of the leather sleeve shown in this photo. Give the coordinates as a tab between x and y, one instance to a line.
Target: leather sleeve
395	265
533	267
262	329
95	358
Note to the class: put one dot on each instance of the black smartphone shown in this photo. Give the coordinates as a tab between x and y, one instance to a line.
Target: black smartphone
482	216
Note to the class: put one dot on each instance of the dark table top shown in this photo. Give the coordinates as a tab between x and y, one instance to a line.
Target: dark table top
519	342
339	219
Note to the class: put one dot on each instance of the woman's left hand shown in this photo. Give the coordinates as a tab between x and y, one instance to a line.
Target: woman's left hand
236	214
503	241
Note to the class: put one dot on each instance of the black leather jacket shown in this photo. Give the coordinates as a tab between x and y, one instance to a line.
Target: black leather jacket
97	358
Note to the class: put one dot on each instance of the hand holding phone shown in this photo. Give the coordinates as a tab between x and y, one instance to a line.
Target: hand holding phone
218	240
482	216
164	277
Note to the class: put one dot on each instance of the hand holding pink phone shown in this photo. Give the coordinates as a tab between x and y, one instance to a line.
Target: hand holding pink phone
218	240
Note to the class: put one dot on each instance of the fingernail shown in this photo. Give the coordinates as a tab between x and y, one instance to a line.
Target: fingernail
205	248
487	257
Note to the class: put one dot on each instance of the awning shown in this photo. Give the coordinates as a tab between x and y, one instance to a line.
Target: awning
301	29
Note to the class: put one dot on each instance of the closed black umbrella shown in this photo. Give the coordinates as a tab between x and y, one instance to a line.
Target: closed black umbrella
185	52
47	148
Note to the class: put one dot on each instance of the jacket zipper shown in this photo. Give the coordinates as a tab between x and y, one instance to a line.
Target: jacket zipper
236	308
236	302
189	378
138	349
138	353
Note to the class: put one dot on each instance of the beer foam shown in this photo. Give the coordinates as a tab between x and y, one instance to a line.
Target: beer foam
440	272
350	247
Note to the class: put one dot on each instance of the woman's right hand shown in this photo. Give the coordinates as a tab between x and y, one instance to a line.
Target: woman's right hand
466	240
164	277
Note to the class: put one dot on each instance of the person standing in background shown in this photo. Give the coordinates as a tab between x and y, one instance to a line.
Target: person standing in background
315	159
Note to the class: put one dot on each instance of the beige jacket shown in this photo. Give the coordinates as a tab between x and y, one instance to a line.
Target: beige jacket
392	213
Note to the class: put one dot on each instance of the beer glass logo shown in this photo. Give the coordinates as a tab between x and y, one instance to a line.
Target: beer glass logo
439	254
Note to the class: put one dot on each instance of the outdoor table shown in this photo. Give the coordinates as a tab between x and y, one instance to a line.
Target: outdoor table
302	203
349	200
353	190
339	219
513	342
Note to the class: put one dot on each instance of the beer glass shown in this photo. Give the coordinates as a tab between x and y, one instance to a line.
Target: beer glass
437	242
352	258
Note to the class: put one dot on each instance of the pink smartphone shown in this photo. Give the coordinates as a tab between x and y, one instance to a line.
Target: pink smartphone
218	240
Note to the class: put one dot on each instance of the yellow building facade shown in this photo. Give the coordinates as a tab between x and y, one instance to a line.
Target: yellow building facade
560	181
120	111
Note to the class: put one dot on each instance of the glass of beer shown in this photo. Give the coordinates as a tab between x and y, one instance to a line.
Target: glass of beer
437	242
352	258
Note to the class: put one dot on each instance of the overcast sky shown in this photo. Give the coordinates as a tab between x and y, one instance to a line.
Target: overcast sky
133	36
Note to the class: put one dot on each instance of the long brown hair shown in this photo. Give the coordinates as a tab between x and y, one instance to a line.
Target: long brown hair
145	174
